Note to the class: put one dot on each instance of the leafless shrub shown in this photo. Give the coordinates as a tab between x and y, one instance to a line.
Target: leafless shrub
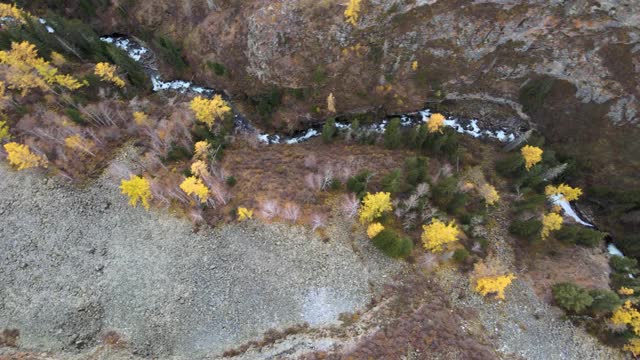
291	212
428	261
411	202
327	176
350	205
174	192
422	189
409	221
269	209
318	220
195	215
158	193
313	181
118	170
428	212
311	162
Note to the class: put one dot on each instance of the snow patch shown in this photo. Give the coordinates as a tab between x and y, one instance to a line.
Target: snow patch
613	250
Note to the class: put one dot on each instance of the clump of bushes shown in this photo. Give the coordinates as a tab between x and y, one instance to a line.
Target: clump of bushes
526	229
446	196
576	299
416	170
392	244
358	184
393	135
571	297
329	131
392	182
170	53
580	235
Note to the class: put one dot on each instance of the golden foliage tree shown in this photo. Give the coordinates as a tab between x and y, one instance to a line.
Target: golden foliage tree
436	122
352	13
550	222
4	130
201	150
627	314
140	118
108	72
199	168
331	103
414	65
21	157
437	234
625	291
25	70
137	188
11	11
374	205
494	285
77	142
633	346
566	191
210	110
489	194
532	155
374	229
244	214
57	59
194	187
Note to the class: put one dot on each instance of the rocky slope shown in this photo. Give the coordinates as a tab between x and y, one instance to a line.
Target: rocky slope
80	268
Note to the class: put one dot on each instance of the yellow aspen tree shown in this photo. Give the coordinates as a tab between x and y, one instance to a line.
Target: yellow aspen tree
437	234
374	229
199	168
331	103
77	142
137	188
625	291
208	111
633	347
532	155
627	315
21	157
26	71
244	214
489	194
494	285
352	13
374	205
550	222
4	130
108	72
140	118
194	187
567	192
57	59
436	122
201	150
7	10
414	65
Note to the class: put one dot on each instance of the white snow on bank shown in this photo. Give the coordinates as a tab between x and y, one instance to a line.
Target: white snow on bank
135	52
308	135
613	250
568	210
471	129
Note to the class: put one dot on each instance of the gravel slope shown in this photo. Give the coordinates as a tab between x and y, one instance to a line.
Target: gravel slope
76	263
